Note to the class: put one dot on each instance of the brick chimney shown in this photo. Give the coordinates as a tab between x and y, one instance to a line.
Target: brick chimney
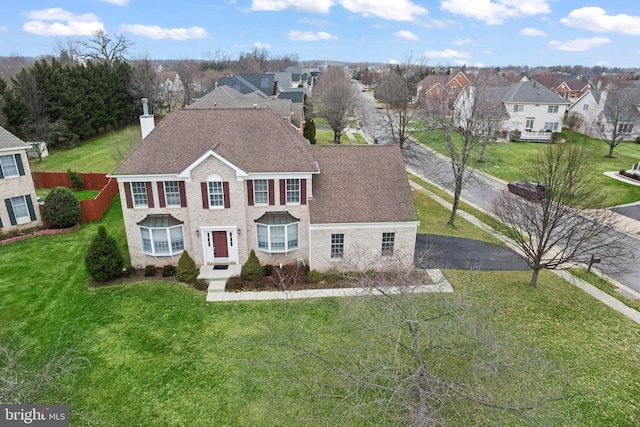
147	122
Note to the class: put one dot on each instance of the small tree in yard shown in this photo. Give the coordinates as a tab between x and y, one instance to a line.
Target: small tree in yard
104	260
309	131
186	271
252	267
569	225
61	208
336	99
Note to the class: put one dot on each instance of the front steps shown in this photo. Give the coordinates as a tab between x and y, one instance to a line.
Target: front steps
217	278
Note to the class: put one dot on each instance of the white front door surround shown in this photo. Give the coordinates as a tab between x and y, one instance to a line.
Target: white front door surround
219	244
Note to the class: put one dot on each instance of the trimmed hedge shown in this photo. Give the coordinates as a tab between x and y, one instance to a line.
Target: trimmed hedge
61	208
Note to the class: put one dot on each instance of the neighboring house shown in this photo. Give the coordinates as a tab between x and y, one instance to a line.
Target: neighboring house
433	85
567	87
19	210
221	182
227	97
248	83
532	109
602	110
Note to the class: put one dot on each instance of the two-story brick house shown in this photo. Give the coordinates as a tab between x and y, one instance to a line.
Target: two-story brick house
220	182
19	210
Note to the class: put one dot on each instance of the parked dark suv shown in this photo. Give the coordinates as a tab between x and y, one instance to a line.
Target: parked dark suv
531	191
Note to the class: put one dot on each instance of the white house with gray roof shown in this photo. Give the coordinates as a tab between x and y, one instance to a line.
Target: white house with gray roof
18	210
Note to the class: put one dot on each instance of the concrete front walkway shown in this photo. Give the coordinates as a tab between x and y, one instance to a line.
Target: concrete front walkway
216	291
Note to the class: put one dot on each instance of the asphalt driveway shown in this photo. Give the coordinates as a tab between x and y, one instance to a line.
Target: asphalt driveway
459	254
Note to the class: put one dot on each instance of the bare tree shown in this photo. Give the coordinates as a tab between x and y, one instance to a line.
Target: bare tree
67	51
103	47
465	124
188	70
399	112
336	99
619	113
568	226
217	61
122	143
419	359
575	121
144	82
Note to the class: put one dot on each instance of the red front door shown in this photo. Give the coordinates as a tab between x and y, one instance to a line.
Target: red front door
220	248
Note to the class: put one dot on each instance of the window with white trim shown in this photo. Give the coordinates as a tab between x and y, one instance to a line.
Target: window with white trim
552	109
260	192
529	123
337	246
625	128
216	195
9	166
20	209
388	242
172	193
293	190
552	126
585	107
518	108
162	241
139	193
277	232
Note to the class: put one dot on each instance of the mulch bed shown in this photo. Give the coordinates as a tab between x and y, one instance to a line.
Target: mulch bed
289	277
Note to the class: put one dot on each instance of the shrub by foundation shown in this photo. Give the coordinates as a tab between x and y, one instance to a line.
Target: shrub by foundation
186	272
252	267
168	270
150	270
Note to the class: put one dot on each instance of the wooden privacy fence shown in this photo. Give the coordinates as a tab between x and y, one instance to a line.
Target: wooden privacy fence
92	210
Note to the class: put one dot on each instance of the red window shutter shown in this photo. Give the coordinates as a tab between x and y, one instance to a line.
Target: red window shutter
303	191
205	195
283	191
127	194
272	192
250	192
149	195
225	194
163	203
183	194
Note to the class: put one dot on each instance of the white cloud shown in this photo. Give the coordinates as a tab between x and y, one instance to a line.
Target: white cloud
309	36
596	19
444	54
260	45
393	62
394	10
315	22
66	23
407	35
308	6
495	12
117	2
158	33
532	32
462	42
579	45
4	29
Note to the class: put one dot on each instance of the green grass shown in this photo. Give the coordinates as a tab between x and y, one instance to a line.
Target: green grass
80	194
161	355
359	138
604	286
508	161
92	155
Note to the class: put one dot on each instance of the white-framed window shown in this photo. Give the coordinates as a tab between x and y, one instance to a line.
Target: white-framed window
585	107
388	242
216	195
564	94
139	193
162	241
518	108
514	125
9	166
293	190
20	209
260	192
552	126
573	94
625	128
277	232
337	246
552	109
172	193
452	89
529	123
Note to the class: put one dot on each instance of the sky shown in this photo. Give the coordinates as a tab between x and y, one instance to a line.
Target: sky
485	33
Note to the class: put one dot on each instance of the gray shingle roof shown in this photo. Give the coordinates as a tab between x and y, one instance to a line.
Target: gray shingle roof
532	92
9	140
255	140
227	97
359	183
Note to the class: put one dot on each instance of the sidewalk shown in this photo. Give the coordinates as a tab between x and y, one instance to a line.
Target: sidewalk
585	286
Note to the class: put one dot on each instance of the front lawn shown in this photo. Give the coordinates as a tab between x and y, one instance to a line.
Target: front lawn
161	355
508	161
